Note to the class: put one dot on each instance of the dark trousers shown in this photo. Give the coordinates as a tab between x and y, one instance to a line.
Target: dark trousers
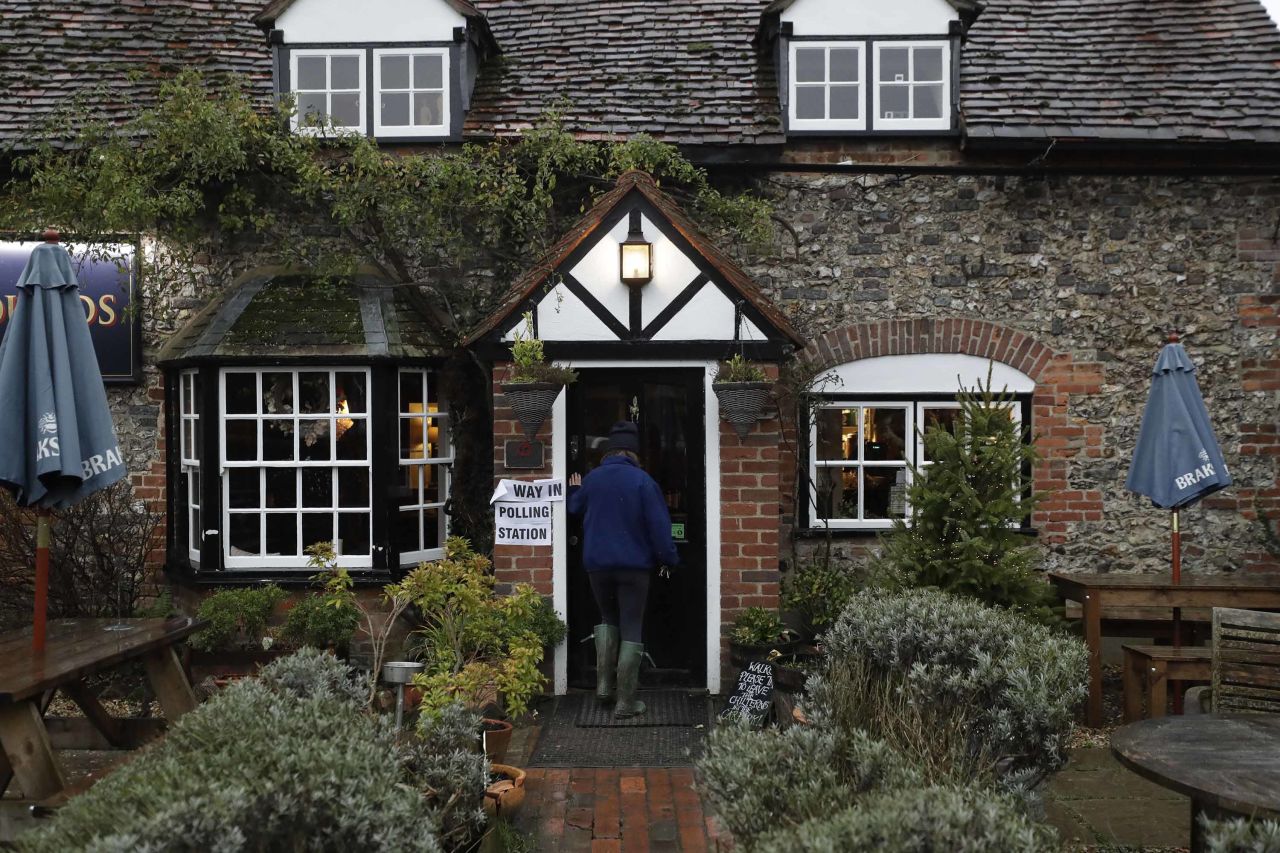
621	597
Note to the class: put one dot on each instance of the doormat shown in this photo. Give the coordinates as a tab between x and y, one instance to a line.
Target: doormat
562	743
662	708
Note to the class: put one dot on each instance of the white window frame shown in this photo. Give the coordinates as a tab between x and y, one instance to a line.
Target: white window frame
256	561
794	123
442	465
411	130
943	123
189	459
362	92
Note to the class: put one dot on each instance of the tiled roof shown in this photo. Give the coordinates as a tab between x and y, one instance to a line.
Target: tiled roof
113	51
688	72
1111	69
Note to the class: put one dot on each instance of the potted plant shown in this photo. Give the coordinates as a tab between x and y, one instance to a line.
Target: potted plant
534	383
237	639
743	392
756	634
505	792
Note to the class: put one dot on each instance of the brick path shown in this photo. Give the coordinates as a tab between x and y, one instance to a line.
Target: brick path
617	811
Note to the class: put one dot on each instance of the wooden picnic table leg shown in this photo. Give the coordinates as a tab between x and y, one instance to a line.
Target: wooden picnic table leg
1092	605
27	750
1133	681
169	682
1159	691
87	701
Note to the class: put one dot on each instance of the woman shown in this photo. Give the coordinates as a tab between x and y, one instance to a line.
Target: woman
626	534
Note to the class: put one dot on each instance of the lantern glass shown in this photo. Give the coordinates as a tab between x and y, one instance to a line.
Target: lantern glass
637	262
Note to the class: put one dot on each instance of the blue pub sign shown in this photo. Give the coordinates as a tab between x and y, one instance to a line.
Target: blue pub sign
109	293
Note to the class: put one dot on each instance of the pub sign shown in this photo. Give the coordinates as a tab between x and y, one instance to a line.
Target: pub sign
109	294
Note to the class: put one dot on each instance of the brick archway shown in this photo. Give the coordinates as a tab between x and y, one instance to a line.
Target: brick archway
1061	438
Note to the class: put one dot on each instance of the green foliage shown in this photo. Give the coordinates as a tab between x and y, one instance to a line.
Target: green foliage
968	691
446	764
285	762
918	820
321	623
547	624
237	617
818	589
1239	835
475	644
756	626
738	369
529	362
962	532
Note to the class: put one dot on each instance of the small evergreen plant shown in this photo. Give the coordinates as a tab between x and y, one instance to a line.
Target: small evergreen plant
529	360
738	369
966	508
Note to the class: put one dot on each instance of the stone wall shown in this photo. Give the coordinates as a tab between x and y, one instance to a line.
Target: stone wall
1093	271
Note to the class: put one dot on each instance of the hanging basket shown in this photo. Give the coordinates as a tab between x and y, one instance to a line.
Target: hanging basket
532	402
743	403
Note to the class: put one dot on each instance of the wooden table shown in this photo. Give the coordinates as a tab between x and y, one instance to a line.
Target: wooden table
1098	591
77	649
1149	669
1228	766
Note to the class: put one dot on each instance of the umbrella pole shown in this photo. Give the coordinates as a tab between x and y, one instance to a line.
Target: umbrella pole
42	581
1177	611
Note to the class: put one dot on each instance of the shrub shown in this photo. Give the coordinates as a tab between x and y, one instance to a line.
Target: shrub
917	820
756	781
738	369
1241	836
529	361
237	616
958	686
446	763
818	590
287	762
966	507
321	622
756	626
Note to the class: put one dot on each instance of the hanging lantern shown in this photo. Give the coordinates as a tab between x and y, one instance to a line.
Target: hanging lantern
636	255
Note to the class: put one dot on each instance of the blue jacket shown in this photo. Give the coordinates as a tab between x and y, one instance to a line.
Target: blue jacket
625	525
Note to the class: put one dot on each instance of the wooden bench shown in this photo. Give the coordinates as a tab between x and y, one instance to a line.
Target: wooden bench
1149	669
1246	662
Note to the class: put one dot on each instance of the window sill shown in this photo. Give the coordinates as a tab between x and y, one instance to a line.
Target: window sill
289	578
869	532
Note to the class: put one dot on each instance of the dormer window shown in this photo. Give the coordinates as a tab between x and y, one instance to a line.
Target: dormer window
827	91
413	99
912	85
328	89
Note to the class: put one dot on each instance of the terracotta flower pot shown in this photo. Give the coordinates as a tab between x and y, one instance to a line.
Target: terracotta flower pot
531	402
503	797
743	403
496	735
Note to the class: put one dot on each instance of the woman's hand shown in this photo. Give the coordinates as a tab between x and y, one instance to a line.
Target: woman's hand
575	480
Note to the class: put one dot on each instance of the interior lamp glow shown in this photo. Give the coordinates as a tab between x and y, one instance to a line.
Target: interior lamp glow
636	255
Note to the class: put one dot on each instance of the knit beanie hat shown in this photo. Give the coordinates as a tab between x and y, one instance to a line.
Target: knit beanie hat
624	436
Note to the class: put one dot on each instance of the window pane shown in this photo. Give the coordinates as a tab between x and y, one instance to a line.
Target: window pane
353	533
282	534
188	439
277	440
885	434
313	388
928	102
811	102
886	492
395	109
844	65
242	393
411	444
428	72
316	527
844	102
345	110
317	487
837	434
837	492
938	419
431	477
244	534
313	440
350	388
242	441
893	64
243	488
894	102
437	438
353	487
811	65
408	530
312	108
311	73
410	392
431	534
352	441
428	109
277	393
345	71
282	488
408	493
928	63
395	72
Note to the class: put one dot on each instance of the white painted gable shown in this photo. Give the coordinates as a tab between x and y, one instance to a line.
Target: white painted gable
708	317
563	317
318	21
869	17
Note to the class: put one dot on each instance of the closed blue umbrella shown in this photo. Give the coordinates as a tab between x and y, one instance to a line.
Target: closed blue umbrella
59	443
1177	460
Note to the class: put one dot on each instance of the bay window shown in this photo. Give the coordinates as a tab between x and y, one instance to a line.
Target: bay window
424	468
189	458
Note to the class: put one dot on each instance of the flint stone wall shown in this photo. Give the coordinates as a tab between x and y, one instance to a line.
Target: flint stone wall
1098	270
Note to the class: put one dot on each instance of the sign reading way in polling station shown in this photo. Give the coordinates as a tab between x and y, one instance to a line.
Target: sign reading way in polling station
522	511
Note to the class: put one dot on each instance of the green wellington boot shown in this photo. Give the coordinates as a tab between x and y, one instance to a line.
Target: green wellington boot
629	679
606	661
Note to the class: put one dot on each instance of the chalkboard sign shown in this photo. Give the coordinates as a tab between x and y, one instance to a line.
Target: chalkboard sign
752	698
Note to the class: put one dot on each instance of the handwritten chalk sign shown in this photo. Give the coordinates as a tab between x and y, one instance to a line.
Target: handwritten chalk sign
752	698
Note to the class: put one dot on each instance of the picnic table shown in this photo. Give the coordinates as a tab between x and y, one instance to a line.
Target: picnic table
1229	766
1100	593
76	650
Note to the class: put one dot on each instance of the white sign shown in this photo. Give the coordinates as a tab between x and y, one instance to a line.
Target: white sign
522	524
529	491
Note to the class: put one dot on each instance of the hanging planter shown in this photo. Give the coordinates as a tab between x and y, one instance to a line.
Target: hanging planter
531	402
743	392
534	384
